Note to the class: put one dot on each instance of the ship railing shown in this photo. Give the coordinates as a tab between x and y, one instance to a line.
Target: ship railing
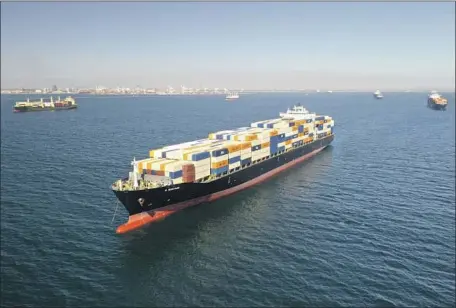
127	185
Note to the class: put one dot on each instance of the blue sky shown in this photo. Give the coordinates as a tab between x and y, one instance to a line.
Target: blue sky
228	44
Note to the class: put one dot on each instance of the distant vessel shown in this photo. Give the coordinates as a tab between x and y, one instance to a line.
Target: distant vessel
232	96
437	101
41	105
378	94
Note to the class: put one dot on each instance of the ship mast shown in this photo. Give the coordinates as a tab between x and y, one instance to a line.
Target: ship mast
135	173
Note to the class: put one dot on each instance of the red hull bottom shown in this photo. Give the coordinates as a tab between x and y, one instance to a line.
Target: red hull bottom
139	220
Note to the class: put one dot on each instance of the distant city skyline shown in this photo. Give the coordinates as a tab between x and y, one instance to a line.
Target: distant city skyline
307	45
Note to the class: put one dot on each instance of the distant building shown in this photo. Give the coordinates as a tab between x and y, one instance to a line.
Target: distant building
54	88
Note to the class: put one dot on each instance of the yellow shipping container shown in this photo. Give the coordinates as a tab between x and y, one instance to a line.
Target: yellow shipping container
219	164
265	145
246	145
234	148
152	152
294	128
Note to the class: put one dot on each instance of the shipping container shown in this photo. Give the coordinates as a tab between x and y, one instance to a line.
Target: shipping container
216	165
174	174
219	158
256	148
219	170
246	161
235	159
234	165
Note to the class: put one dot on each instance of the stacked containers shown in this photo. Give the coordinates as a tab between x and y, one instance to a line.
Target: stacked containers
234	155
246	153
219	159
173	170
144	164
199	158
158	167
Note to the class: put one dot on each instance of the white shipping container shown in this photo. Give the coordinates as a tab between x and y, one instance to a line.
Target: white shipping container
177	146
246	155
156	165
202	174
235	165
173	167
254	143
234	154
202	168
285	130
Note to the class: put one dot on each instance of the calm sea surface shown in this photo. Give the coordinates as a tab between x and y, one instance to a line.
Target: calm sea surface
369	221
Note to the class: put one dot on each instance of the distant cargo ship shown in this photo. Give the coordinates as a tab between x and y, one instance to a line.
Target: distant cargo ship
232	96
378	94
179	176
41	105
437	101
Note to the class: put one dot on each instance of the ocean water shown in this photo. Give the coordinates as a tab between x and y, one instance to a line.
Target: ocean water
370	221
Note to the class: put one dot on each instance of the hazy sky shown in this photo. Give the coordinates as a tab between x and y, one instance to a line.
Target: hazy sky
250	45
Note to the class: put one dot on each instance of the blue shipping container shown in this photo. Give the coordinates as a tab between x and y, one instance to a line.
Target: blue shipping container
260	125
233	160
200	156
311	134
301	128
319	118
246	161
176	174
219	152
219	170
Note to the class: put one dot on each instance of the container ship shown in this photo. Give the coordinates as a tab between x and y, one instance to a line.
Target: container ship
41	105
182	175
437	101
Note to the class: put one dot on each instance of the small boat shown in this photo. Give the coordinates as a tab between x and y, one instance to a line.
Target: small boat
378	94
41	105
437	101
232	96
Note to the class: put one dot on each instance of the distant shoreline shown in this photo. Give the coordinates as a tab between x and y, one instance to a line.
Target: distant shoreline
218	94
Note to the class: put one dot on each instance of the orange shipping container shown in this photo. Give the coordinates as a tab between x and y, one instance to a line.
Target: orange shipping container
287	142
273	133
301	135
294	128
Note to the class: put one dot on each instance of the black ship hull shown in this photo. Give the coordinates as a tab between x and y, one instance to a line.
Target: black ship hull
27	108
433	105
173	198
